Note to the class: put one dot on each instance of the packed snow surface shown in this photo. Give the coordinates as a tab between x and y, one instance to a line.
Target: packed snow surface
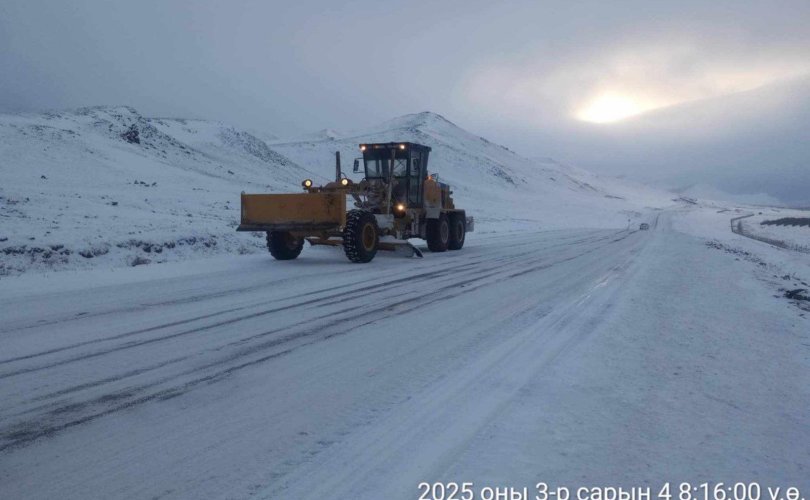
575	356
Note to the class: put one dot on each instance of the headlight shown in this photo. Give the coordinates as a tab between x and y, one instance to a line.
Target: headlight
307	183
362	147
401	146
400	207
344	182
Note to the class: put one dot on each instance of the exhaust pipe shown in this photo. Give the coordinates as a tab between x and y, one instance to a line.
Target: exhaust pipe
337	166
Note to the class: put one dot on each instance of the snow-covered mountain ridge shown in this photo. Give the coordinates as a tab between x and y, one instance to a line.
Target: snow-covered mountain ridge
491	180
108	186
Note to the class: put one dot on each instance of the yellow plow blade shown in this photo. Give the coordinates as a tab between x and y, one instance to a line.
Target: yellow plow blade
293	210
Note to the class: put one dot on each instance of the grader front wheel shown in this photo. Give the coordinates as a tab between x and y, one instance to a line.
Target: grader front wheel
361	237
283	245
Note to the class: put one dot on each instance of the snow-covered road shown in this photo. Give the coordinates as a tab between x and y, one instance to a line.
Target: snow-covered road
528	353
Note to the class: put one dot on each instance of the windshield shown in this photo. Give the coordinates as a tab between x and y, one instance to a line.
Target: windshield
379	167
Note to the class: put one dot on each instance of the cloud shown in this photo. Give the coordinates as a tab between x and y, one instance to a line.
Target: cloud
630	78
519	73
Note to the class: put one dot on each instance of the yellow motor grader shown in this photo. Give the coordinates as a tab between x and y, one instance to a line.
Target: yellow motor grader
396	200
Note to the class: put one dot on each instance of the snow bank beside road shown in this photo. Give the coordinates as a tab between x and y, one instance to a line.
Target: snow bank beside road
781	270
791	235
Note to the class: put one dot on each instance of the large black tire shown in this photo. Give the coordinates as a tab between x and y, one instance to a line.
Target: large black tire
438	233
283	245
361	236
458	231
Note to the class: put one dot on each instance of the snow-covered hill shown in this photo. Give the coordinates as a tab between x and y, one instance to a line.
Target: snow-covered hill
107	186
489	180
707	192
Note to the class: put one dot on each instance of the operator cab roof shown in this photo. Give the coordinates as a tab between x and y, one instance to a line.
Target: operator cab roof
393	145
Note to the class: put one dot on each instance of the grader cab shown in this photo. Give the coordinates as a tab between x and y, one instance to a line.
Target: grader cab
396	200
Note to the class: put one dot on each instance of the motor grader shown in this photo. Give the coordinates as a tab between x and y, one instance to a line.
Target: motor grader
396	200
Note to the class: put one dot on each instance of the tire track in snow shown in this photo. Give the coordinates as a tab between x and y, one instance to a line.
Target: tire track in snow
330	316
256	353
194	298
428	274
430	431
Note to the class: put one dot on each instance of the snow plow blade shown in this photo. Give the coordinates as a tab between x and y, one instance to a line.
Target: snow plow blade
402	248
297	212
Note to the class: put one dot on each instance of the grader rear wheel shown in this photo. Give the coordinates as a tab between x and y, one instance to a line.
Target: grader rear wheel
458	231
361	237
438	233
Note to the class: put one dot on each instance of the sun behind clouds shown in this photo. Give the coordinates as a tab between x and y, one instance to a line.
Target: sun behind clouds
611	107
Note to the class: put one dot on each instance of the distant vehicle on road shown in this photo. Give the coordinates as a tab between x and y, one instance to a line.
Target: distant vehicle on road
644	226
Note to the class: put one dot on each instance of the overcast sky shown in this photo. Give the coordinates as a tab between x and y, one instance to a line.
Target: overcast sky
562	79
